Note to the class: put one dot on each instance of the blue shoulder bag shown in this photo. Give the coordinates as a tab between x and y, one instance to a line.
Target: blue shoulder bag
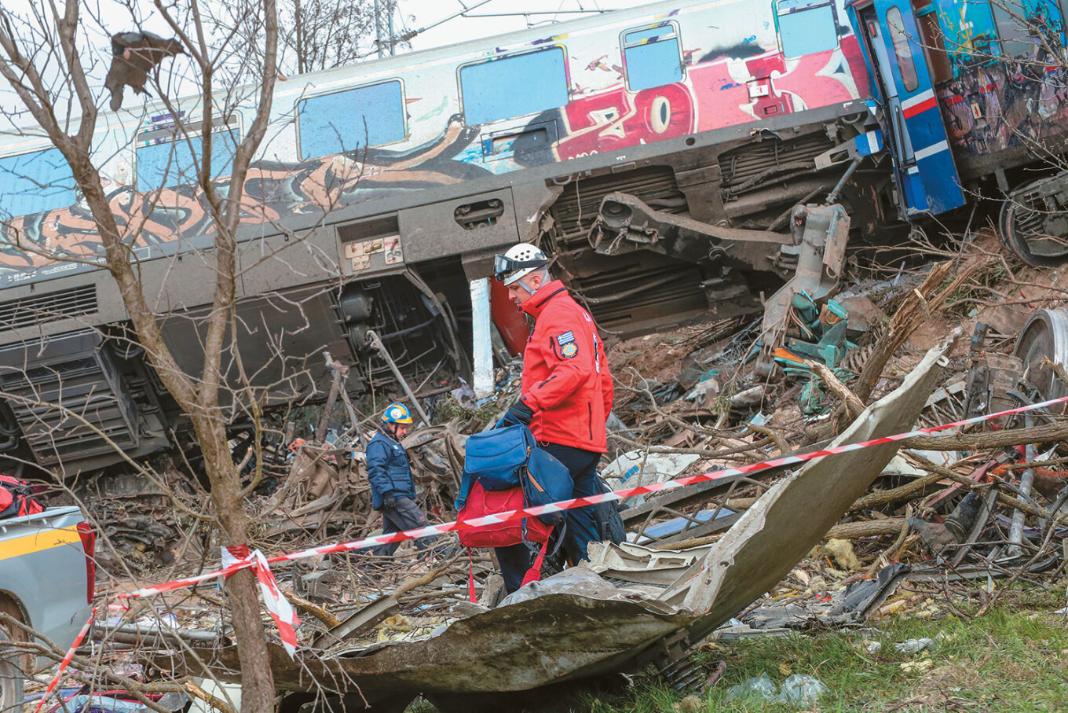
509	457
546	480
495	458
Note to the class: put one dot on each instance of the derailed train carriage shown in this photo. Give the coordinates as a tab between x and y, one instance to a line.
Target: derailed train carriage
658	153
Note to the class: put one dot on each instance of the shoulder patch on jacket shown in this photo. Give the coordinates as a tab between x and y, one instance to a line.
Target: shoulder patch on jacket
569	350
565	338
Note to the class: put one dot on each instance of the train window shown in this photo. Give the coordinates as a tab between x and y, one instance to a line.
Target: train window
806	26
902	49
513	86
1022	24
343	121
34	183
652	57
165	160
934	48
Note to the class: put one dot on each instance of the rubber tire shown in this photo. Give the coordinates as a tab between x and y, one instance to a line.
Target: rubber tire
11	678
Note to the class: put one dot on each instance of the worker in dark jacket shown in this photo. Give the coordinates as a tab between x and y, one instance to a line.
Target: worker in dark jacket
390	474
566	391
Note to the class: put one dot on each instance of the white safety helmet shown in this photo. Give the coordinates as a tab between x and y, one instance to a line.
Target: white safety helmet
519	261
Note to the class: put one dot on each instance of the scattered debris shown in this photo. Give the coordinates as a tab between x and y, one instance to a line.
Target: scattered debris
610	612
913	646
797	690
801	690
921	665
864	535
761	687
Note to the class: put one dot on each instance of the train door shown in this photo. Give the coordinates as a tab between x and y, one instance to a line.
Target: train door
924	163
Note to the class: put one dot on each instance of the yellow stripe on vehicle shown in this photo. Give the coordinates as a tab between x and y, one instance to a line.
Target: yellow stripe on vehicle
39	541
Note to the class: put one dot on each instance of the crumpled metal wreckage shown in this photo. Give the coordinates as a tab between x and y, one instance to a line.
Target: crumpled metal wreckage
629	607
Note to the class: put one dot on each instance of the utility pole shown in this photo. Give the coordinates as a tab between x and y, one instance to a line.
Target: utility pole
378	29
389	24
298	30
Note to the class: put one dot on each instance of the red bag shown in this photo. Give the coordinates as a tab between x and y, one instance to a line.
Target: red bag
16	498
513	532
487	502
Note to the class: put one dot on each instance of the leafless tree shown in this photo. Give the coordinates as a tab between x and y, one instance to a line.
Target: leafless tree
42	58
321	34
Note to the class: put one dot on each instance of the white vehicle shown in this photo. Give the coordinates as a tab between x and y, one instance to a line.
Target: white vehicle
47	576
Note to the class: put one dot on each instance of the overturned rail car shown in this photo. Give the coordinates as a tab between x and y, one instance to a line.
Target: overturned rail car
658	153
627	144
971	96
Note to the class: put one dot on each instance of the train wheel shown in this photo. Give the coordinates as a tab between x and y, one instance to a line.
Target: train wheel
1034	222
1044	341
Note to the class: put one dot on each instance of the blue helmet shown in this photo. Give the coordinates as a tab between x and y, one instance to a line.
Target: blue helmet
397	413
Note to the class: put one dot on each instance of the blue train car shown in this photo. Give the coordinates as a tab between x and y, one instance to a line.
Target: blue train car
973	100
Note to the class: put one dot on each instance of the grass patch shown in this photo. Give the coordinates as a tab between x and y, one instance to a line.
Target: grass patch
1014	658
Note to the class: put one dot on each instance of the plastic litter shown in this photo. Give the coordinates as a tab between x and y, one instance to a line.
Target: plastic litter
757	687
801	689
798	689
914	646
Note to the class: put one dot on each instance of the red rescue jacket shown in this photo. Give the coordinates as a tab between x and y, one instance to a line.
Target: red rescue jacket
566	381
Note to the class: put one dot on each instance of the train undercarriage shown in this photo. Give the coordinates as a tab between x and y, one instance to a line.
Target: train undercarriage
716	224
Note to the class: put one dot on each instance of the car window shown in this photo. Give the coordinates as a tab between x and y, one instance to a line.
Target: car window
652	57
35	182
513	86
344	121
165	160
806	26
902	50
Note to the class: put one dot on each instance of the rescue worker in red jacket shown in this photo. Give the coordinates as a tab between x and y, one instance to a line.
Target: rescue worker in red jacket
566	386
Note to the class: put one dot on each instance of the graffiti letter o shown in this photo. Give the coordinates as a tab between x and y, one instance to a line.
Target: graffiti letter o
660	114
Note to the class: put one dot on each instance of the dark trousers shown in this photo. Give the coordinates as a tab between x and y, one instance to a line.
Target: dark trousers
404	515
514	562
582	524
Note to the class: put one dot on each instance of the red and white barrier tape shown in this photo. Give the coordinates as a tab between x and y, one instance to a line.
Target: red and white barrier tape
281	611
575	503
65	662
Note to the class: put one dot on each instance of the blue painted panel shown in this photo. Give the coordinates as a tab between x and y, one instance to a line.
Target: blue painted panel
869	143
874	90
514	86
806	30
345	121
652	59
174	163
915	193
930	178
972	35
35	182
940	181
